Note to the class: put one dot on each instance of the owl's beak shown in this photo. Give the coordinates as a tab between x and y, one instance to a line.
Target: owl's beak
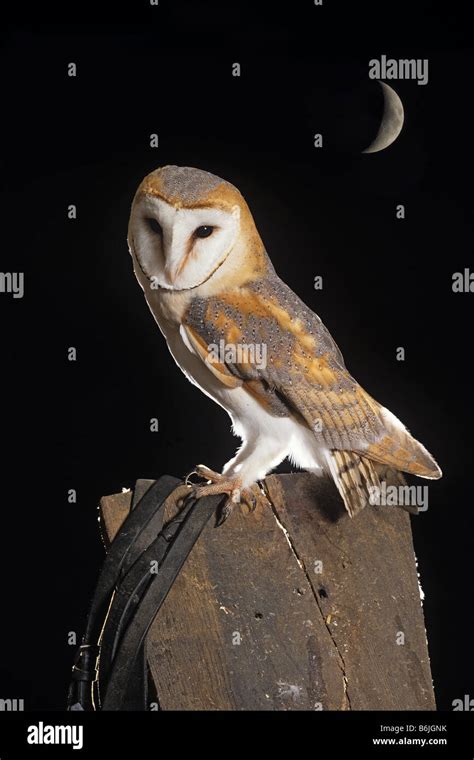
172	272
175	263
171	261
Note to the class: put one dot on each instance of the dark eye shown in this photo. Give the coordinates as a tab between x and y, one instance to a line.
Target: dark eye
154	226
204	231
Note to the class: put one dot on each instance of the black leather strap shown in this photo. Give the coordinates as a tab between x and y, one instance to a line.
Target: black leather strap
127	598
181	534
139	529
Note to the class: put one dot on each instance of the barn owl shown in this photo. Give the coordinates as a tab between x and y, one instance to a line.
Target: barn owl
215	295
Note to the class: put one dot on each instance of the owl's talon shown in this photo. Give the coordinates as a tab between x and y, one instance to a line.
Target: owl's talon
250	499
225	512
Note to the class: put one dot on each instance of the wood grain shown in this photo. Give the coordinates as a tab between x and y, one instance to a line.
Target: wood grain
292	607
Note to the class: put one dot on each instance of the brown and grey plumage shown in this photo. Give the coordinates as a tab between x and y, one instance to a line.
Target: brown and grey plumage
302	403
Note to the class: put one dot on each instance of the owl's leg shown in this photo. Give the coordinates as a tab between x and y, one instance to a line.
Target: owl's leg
257	457
259	454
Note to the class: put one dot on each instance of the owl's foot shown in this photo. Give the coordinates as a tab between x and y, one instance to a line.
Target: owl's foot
222	484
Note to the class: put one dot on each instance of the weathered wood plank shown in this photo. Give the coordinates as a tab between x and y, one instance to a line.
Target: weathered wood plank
368	591
250	623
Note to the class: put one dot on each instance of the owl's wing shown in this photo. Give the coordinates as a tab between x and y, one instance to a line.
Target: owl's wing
264	339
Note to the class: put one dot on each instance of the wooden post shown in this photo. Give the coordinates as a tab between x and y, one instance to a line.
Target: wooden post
292	607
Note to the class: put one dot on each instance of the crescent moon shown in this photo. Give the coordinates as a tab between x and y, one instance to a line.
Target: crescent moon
392	121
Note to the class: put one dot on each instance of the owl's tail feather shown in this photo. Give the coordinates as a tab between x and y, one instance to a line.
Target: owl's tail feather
354	476
359	479
399	449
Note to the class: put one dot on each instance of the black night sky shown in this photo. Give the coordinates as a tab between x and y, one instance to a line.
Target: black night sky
328	212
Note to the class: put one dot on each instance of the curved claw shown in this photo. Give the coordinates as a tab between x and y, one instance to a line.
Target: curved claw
225	512
219	484
250	499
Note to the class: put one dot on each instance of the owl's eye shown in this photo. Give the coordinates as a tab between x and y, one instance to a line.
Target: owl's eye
154	226
204	231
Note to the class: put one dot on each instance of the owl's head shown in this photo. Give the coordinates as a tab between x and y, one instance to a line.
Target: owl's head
184	225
